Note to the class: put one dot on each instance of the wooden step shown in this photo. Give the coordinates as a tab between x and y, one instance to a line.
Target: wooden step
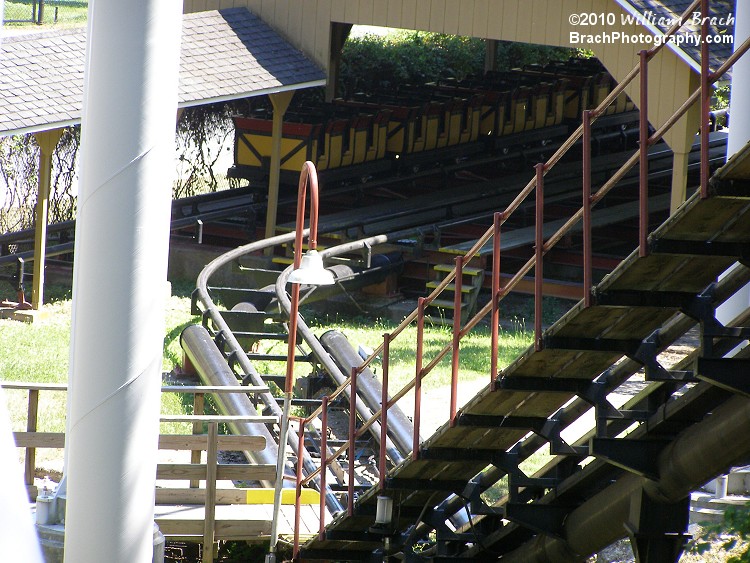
450	287
467	270
233	522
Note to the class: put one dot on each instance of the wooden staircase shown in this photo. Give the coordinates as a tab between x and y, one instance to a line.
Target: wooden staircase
442	310
629	320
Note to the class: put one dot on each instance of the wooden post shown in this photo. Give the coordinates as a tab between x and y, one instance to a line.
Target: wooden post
490	54
338	36
280	102
31	423
47	141
195	455
210	505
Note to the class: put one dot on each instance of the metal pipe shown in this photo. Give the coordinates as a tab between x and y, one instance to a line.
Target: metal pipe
538	256
212	368
370	391
418	378
352	438
495	316
323	465
382	468
298	489
705	99
643	158
456	342
586	204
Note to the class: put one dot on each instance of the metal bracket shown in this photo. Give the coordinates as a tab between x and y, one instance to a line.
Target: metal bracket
642	298
545	518
646	356
735	250
477	506
636	456
731	374
657	530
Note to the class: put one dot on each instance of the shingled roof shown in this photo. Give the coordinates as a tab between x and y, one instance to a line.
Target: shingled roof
661	11
225	55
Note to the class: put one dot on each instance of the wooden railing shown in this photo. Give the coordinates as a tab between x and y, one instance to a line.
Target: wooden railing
204	526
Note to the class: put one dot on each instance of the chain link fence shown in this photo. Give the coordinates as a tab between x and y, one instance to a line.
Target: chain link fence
45	12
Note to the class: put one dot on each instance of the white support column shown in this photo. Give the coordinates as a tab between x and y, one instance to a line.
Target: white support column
739	134
739	112
122	234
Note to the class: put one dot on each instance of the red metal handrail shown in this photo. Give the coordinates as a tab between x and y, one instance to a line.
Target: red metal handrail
499	291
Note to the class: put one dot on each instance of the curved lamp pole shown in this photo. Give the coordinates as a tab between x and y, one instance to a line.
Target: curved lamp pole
308	270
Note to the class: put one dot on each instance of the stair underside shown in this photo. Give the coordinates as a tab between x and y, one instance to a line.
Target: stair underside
719	219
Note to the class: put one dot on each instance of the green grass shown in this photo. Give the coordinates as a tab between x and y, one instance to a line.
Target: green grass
38	352
68	13
474	355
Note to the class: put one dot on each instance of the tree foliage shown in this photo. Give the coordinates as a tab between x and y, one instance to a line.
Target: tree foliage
19	179
370	62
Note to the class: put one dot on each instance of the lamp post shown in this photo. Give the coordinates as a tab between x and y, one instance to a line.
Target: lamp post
308	270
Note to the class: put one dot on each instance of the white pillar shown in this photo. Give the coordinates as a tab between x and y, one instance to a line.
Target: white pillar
122	235
739	122
739	134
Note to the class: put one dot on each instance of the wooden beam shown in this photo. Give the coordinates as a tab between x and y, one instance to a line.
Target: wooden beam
280	102
166	441
338	36
224	472
210	504
47	141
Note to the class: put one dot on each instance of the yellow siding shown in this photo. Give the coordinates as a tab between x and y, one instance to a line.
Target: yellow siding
366	8
481	17
495	19
423	14
380	13
306	23
437	15
465	18
409	14
508	20
393	16
452	17
351	11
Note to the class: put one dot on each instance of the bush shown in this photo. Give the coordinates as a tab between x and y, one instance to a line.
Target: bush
415	57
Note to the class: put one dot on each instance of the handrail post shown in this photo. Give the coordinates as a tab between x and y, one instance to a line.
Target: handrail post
538	256
495	316
323	466
199	401
587	243
384	412
705	99
298	487
31	425
418	377
352	438
458	283
643	159
209	525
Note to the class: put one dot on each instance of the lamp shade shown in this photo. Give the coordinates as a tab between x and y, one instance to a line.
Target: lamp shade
311	271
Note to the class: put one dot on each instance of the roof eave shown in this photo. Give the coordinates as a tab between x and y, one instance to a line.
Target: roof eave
240	96
625	5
